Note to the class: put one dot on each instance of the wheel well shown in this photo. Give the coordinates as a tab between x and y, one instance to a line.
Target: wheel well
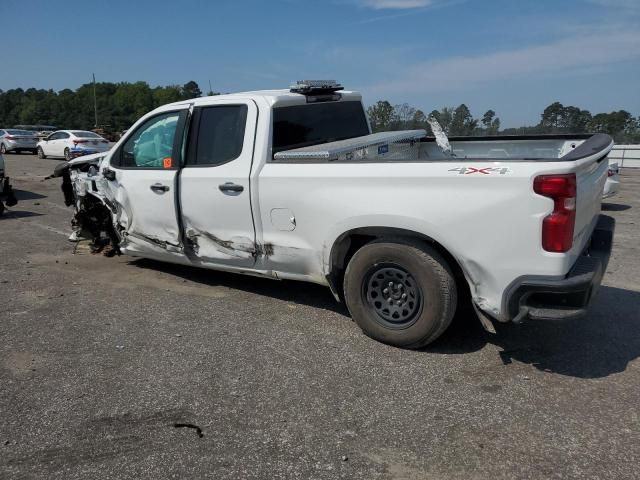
350	242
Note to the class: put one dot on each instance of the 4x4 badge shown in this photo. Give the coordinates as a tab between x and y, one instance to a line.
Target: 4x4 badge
481	171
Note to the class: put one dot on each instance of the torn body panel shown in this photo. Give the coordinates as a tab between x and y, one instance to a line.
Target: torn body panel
85	189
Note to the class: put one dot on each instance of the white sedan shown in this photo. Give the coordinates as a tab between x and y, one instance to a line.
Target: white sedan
71	143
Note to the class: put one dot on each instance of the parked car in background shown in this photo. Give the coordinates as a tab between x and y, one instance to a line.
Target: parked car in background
40	130
71	144
612	185
12	140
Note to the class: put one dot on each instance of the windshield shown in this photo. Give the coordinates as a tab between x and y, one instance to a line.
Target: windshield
19	132
81	134
314	124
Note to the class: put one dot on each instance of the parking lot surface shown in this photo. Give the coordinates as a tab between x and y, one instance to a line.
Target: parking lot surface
131	368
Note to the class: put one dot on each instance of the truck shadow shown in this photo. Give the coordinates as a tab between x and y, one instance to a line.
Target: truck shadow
19	214
297	292
601	344
615	207
596	346
27	195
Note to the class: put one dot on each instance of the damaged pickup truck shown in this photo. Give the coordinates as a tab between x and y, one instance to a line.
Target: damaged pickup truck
291	184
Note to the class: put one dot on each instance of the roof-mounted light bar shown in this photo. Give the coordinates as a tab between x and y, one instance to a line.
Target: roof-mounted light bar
314	87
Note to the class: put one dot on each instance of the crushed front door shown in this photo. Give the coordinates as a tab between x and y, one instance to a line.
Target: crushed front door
142	181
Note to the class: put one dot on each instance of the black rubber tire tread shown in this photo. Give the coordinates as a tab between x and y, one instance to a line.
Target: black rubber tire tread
67	157
3	149
40	153
427	267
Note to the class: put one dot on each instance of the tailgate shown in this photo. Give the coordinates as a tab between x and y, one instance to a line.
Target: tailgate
591	175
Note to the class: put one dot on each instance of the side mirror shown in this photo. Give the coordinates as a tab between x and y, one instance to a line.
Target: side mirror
109	174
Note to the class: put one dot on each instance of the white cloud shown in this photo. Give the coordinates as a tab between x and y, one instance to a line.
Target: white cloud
630	4
394	4
453	74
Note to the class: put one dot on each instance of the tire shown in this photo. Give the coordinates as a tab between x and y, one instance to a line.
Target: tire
67	154
416	272
41	153
3	149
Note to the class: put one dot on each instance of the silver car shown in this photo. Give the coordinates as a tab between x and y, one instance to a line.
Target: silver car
13	140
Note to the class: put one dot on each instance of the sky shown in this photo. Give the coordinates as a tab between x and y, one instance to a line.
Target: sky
514	57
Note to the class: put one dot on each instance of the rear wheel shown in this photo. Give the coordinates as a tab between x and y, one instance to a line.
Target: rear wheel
67	154
41	153
3	149
400	292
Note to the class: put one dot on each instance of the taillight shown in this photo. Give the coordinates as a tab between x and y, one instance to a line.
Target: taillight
76	142
557	228
9	137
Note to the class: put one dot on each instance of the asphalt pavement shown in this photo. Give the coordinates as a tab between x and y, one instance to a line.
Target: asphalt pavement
129	368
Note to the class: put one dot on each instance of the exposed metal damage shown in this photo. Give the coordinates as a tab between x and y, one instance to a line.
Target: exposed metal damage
236	247
92	219
104	222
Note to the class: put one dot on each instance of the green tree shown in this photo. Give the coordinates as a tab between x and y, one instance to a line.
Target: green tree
402	116
490	122
419	120
380	116
164	95
462	122
621	125
191	90
551	117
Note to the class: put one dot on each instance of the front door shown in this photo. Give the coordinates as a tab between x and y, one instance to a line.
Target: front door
215	195
143	184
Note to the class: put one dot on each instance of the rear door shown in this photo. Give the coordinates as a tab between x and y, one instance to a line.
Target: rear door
143	183
214	184
49	144
60	143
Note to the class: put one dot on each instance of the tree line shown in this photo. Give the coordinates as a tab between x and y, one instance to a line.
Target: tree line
458	121
119	105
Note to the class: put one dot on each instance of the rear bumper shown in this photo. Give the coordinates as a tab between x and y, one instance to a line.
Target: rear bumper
13	145
80	152
569	297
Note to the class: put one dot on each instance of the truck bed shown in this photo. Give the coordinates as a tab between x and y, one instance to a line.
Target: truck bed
414	145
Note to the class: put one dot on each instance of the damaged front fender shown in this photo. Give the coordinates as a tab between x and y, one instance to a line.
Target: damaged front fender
94	213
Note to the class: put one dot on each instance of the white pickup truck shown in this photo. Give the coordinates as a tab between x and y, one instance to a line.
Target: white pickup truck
291	184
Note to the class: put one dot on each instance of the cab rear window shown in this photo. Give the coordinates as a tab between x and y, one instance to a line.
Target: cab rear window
313	124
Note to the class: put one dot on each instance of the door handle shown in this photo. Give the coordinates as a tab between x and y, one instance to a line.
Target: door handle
159	188
231	187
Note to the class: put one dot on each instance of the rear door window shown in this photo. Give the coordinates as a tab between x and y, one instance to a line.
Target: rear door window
313	124
219	135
